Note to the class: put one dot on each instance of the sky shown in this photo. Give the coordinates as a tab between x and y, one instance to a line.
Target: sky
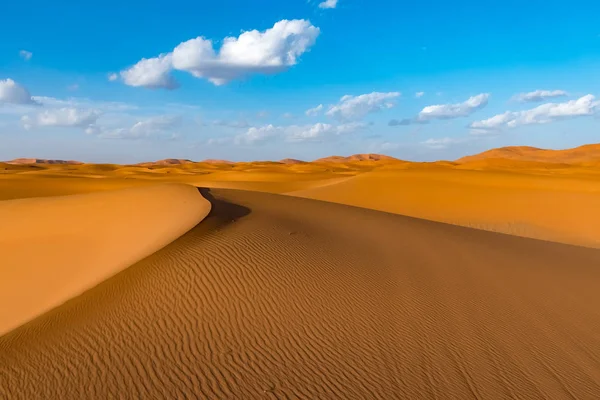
238	80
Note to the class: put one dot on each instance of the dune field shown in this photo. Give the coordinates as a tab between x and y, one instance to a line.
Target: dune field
360	277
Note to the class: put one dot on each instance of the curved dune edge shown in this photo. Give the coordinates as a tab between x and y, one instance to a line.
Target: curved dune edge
539	207
53	249
281	297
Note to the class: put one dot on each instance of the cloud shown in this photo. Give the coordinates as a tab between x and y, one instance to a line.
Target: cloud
418	95
441	143
445	111
543	114
25	55
151	73
314	111
297	133
61	117
540	95
252	52
154	127
113	77
231	124
83	103
321	130
328	4
257	134
357	107
13	93
288	115
450	111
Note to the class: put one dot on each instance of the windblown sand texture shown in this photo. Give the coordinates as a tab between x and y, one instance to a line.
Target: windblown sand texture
279	297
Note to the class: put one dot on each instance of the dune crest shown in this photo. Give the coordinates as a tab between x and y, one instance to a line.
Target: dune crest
55	248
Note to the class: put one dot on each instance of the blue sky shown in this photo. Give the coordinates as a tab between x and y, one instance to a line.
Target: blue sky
431	80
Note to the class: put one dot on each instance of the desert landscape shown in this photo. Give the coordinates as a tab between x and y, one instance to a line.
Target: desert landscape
345	277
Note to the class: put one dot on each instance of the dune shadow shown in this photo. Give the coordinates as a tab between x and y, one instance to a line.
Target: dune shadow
223	212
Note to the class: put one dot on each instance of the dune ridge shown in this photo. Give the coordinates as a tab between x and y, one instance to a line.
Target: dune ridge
53	249
280	297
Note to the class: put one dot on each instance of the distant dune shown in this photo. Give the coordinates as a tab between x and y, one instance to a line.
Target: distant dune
357	157
582	154
279	297
167	161
52	249
18	161
292	161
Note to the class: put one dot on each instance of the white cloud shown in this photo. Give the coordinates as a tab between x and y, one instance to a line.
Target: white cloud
13	93
449	111
441	143
418	95
328	4
83	103
540	95
543	114
357	107
257	134
113	77
25	55
311	112
151	73
61	117
297	133
154	127
253	52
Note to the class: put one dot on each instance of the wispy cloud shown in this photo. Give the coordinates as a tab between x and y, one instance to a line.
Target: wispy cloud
352	108
25	55
539	95
445	111
328	4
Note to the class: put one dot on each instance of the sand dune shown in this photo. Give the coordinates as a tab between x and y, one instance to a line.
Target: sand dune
279	297
52	249
560	208
582	154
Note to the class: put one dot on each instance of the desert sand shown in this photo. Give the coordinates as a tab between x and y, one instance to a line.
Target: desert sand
474	278
56	248
279	297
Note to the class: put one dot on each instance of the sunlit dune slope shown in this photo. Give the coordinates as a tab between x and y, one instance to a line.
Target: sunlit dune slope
557	208
52	249
279	297
582	154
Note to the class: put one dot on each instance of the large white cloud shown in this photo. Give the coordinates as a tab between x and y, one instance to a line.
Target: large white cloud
328	4
356	107
543	114
13	93
61	117
267	52
540	95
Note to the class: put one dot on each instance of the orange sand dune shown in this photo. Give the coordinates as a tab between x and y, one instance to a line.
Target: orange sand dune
52	249
280	297
561	208
586	153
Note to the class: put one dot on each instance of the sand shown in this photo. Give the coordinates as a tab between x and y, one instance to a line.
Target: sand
279	297
55	248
